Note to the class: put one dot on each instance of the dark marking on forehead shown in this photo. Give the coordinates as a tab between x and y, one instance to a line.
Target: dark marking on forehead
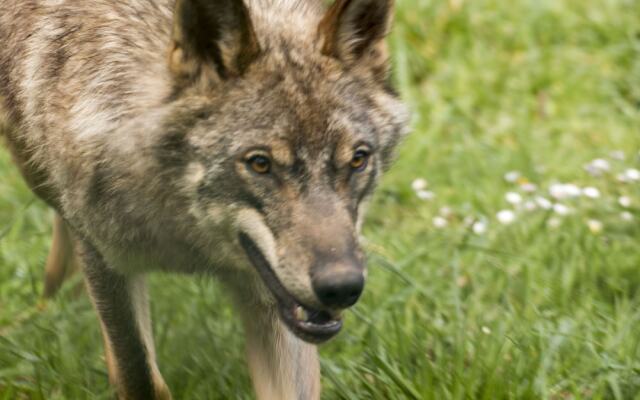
304	76
285	49
301	173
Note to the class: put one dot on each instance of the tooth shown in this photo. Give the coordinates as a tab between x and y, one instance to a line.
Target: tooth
301	314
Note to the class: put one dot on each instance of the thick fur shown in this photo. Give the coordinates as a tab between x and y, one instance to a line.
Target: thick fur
132	119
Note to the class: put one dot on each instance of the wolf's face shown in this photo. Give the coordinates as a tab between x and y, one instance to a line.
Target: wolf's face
286	146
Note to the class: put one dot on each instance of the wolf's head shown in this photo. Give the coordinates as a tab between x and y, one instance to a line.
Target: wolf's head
289	119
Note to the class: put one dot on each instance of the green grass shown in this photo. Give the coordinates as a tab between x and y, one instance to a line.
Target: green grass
523	311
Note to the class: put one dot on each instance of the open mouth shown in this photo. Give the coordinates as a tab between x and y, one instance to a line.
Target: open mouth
309	324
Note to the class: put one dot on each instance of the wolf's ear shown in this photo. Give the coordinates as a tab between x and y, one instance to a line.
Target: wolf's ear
211	37
354	30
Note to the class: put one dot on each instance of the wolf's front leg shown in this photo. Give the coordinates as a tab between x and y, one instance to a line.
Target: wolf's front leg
123	309
282	366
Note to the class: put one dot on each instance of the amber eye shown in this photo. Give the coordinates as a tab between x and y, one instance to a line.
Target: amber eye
359	160
259	164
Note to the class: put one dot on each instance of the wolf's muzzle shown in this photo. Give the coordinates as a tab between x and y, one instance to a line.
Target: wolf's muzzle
312	325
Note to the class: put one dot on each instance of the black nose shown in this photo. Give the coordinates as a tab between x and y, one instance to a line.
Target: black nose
338	286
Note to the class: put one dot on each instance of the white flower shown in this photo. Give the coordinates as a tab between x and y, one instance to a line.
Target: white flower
512	176
513	198
624	201
626	216
529	187
632	174
479	227
440	222
530	205
591	192
597	167
425	194
595	226
544	203
554	222
486	330
561	191
557	191
617	155
506	217
446	211
419	184
601	164
561	209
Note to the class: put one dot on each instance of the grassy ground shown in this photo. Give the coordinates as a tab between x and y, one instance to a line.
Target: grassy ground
459	305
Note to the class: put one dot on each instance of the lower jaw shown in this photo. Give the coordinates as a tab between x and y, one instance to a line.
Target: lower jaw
309	331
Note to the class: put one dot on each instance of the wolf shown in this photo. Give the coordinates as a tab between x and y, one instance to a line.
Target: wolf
237	139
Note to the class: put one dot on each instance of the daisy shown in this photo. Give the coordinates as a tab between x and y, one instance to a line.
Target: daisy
632	174
561	209
440	222
512	176
479	227
513	198
591	192
624	201
419	184
561	191
506	217
595	226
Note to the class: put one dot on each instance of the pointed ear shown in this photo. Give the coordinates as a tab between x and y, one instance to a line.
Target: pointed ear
352	30
211	39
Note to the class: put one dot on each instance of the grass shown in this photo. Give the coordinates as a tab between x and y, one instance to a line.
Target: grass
543	308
